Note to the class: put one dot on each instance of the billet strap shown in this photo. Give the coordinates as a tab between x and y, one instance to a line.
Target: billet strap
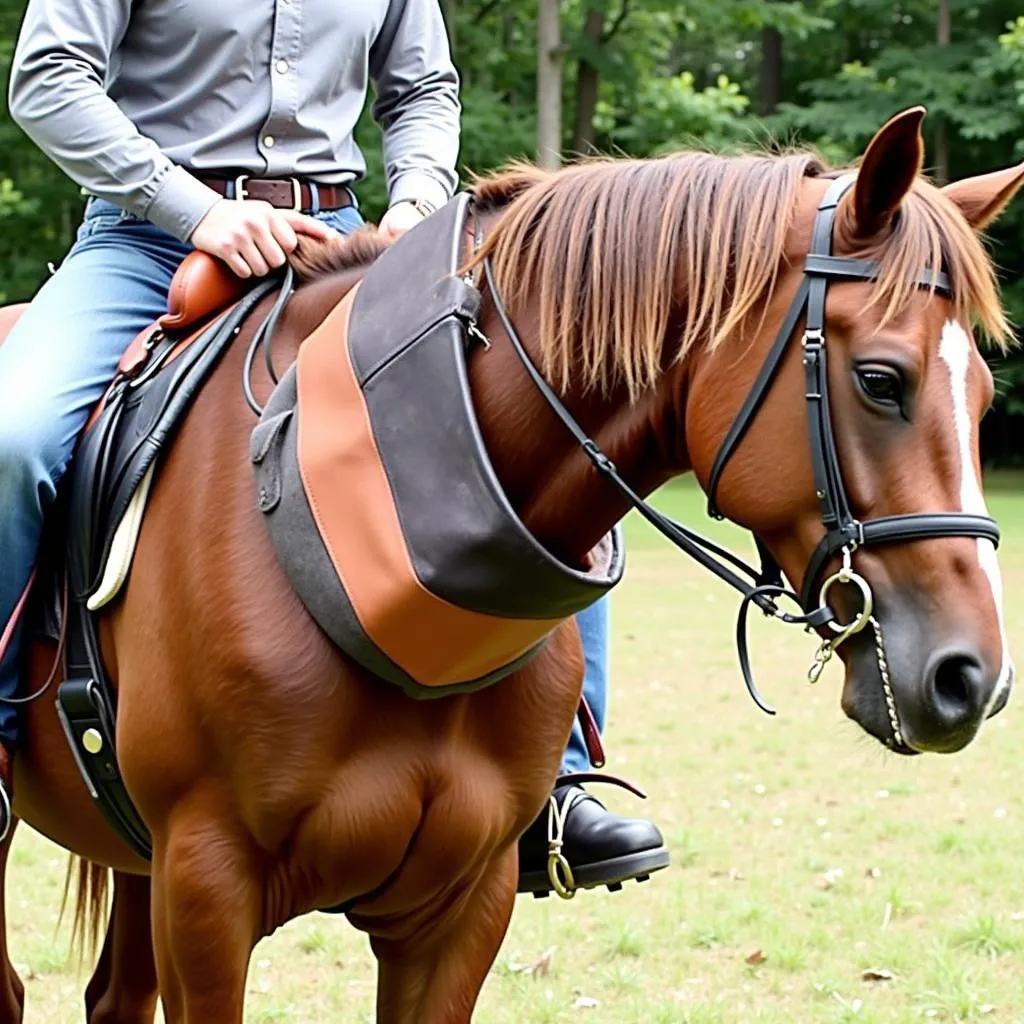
591	733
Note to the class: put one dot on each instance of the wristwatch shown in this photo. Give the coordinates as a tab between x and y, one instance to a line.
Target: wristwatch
422	207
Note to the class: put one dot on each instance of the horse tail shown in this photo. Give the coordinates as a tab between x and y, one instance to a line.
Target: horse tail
92	889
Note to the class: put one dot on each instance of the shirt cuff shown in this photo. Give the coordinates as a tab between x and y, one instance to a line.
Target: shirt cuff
180	203
419	185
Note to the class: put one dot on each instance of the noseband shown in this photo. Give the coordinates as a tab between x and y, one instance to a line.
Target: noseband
844	533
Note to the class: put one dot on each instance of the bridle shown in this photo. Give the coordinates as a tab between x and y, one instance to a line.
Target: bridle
844	533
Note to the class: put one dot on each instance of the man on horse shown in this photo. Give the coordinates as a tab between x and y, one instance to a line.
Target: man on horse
224	128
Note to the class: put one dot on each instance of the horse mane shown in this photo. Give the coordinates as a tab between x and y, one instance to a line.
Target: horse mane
314	259
604	244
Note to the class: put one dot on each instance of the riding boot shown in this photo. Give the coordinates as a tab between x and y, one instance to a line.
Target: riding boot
583	845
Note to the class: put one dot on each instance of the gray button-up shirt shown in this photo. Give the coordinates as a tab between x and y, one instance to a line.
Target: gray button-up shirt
128	97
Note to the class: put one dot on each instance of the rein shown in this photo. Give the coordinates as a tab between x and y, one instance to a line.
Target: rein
844	533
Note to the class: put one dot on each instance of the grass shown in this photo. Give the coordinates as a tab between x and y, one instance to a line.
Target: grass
796	836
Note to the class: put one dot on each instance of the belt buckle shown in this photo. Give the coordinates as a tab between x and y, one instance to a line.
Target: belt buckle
241	193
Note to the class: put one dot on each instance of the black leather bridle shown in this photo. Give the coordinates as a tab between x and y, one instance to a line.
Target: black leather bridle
844	533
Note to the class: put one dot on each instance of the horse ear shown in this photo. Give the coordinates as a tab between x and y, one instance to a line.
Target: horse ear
891	163
981	199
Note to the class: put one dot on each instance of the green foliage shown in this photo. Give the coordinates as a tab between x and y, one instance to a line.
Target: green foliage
677	73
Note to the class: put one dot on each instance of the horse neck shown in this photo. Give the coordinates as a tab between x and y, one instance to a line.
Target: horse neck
559	495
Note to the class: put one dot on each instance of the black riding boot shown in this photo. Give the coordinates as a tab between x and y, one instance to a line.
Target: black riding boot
600	848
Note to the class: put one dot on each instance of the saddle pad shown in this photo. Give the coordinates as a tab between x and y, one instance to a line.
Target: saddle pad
381	502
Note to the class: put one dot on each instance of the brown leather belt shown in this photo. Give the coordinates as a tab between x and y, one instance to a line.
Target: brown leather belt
284	193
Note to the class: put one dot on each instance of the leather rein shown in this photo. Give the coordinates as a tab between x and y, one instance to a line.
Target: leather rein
844	533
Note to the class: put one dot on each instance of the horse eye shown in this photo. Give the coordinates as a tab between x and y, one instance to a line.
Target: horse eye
881	386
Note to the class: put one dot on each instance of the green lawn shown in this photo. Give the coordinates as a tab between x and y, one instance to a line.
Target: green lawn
804	855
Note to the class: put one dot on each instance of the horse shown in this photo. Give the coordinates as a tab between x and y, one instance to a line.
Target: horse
277	777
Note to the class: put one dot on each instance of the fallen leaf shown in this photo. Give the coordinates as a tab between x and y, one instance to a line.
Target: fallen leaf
877	974
539	968
755	958
585	1003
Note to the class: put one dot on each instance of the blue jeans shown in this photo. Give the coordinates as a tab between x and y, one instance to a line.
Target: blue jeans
594	629
56	364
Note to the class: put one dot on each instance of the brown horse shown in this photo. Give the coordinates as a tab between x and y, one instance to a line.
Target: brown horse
276	778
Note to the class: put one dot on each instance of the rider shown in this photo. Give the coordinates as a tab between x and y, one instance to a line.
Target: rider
199	125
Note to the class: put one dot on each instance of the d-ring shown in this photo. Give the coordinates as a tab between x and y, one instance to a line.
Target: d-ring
846	575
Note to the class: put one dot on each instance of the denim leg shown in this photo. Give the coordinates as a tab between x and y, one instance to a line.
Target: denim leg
54	366
593	623
346	220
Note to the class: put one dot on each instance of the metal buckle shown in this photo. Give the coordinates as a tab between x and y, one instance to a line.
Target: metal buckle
241	193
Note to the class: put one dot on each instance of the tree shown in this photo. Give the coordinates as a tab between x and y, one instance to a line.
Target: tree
549	84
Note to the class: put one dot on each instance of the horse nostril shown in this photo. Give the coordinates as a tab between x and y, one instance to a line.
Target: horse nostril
956	684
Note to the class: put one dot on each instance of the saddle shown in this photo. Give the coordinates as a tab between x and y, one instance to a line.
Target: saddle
431	551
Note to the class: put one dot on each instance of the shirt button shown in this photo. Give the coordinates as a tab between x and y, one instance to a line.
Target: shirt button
282	67
268	141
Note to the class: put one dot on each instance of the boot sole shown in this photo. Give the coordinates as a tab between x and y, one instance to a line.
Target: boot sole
612	873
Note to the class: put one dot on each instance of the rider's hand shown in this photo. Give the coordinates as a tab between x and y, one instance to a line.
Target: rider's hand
400	218
252	237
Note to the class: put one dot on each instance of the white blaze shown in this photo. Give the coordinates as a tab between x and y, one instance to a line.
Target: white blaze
955	352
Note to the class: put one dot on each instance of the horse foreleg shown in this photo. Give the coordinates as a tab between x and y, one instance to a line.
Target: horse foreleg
207	901
12	991
434	975
123	987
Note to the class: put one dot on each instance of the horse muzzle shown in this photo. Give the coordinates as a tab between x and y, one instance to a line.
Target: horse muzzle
942	693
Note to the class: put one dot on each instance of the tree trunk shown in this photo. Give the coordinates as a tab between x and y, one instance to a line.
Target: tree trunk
943	37
588	83
549	85
771	70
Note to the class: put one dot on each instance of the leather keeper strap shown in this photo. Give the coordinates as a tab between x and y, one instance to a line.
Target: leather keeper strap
284	193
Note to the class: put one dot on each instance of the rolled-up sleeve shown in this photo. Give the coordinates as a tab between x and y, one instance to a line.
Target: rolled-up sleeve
417	102
57	95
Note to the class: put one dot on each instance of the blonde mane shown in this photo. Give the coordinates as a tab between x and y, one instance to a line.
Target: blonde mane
605	245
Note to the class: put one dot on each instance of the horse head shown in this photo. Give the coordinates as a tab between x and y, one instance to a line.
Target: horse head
802	339
906	389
